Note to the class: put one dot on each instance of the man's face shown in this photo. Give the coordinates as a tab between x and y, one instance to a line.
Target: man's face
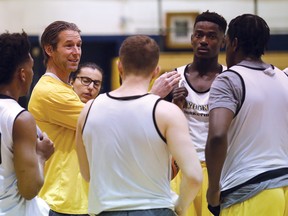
207	39
67	54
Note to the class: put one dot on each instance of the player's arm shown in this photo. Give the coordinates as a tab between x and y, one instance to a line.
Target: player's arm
80	148
30	155
174	126
225	99
216	149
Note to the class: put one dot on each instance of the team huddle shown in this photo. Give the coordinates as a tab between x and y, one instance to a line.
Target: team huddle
201	142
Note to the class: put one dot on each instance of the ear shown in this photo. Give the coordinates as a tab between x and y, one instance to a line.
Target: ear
234	44
156	72
191	38
21	74
48	49
120	67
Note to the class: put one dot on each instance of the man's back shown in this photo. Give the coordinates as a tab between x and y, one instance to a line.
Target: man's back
132	152
136	125
264	148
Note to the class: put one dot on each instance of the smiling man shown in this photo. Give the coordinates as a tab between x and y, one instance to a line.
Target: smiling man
56	108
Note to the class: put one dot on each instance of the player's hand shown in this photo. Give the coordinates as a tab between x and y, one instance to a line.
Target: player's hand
179	96
213	199
44	146
165	83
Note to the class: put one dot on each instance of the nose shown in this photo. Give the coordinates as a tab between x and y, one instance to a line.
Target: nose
91	85
76	50
203	40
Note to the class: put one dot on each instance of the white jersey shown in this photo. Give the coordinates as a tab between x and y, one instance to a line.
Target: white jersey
265	149
286	70
197	113
128	157
11	202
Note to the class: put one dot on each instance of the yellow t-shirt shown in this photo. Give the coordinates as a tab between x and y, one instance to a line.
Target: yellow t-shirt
56	108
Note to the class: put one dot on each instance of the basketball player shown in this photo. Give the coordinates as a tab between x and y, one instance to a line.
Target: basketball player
193	92
125	138
246	154
22	154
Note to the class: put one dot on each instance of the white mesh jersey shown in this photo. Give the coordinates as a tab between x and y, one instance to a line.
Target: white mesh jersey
197	113
257	137
128	157
11	202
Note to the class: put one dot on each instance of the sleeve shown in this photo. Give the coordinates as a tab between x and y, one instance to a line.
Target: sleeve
64	108
227	92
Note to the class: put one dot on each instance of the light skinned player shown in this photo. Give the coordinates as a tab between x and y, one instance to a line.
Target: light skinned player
136	149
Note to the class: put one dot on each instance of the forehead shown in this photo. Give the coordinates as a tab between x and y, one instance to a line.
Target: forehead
69	36
206	26
94	74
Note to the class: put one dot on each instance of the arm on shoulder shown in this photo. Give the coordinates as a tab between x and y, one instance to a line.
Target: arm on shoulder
165	83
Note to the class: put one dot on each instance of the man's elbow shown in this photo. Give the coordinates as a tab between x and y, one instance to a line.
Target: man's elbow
29	192
195	177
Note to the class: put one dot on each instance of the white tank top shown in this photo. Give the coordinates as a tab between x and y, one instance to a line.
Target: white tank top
257	138
197	114
129	160
11	202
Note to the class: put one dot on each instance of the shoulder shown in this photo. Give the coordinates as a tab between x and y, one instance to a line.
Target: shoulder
168	110
25	117
227	91
181	69
228	77
24	124
51	90
224	68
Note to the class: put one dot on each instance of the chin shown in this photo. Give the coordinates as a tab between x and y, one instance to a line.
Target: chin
72	70
85	100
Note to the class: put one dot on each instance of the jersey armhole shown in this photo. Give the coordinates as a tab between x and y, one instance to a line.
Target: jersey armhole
243	89
154	120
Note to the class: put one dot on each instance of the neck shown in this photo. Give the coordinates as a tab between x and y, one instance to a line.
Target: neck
10	92
240	56
133	86
62	75
204	66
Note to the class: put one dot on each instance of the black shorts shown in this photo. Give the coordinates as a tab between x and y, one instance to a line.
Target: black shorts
148	212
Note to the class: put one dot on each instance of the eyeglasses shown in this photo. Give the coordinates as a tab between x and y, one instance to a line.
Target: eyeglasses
86	81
